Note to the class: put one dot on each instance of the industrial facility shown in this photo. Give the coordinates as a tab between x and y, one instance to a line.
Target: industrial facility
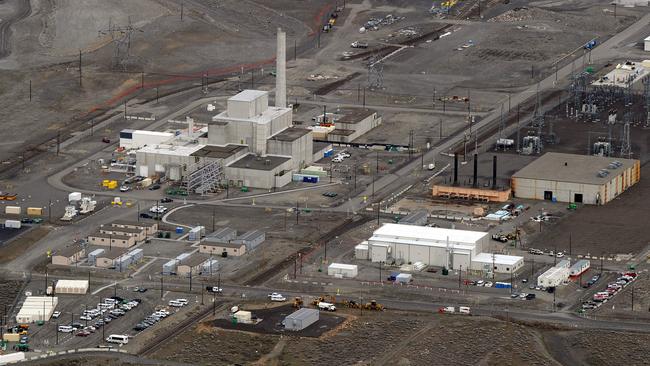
586	179
433	246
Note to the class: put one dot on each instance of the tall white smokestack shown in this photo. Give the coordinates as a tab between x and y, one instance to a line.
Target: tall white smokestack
281	71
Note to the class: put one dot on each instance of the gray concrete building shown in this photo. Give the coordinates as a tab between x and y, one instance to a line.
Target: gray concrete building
251	239
353	123
587	179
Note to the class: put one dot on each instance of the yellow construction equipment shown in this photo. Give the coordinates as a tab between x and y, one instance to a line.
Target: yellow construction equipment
325	298
351	304
297	302
373	305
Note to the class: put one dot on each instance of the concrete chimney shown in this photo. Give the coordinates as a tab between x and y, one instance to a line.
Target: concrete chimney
281	71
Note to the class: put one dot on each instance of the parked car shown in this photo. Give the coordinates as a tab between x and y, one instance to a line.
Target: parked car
56	314
145	215
125	188
158	209
530	296
106	140
278	298
330	194
214	289
166	200
154	187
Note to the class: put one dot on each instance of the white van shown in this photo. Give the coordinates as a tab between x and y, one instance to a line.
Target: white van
117	338
175	303
464	310
65	329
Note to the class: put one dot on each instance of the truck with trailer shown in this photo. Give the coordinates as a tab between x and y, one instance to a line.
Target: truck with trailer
326	306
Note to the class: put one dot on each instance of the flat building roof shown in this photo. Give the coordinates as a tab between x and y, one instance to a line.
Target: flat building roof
354	115
573	168
251	161
425	233
248	95
509	260
290	134
218	152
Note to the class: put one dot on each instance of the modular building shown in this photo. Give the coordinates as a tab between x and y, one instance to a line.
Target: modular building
222	249
192	265
646	44
36	308
301	319
124	261
579	267
353	123
361	251
13	210
110	240
169	268
196	233
497	263
342	270
554	276
106	259
430	245
242	316
586	179
76	287
92	256
404	278
222	235
137	234
68	255
251	239
149	228
210	267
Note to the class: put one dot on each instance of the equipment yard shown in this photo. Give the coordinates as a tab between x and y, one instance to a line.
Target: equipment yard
360	182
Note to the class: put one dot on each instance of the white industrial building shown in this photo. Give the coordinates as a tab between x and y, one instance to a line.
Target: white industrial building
497	263
585	179
433	246
555	275
646	44
301	319
137	139
36	308
76	287
342	270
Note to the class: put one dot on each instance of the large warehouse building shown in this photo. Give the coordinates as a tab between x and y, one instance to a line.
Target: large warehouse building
587	179
454	249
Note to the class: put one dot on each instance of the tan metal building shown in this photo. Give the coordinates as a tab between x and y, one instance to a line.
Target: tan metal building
108	257
149	228
68	255
138	234
119	241
193	264
217	249
587	179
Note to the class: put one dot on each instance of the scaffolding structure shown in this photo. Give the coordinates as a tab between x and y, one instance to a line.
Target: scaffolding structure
204	179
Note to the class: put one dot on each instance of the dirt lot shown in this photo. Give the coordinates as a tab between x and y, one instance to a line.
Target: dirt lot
598	348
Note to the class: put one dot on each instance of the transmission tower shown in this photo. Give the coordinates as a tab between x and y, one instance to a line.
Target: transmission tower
121	39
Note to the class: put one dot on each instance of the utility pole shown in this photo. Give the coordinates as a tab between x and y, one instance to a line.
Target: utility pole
157	95
297	212
79	67
161	286
181	12
142	80
460	274
213	214
30	90
569	243
58	141
378	210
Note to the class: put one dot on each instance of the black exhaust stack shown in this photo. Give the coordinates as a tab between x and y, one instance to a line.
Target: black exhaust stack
455	169
475	181
494	172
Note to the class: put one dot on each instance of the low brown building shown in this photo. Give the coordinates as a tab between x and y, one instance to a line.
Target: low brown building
68	255
149	228
119	241
192	264
108	257
217	249
138	234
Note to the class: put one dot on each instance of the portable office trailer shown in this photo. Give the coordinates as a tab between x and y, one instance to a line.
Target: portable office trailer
196	233
361	251
169	268
210	266
342	270
13	224
92	256
579	267
122	263
77	287
301	319
12	210
553	277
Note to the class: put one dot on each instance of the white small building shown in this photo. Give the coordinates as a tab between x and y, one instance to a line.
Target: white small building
242	316
553	277
361	251
301	319
342	270
646	44
137	139
497	263
579	267
37	308
76	287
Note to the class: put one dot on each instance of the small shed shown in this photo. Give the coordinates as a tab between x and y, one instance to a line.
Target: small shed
76	287
243	316
301	319
210	266
361	251
342	270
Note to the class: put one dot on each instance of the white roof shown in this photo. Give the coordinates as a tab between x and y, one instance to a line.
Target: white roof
647	38
71	284
362	246
248	95
555	271
166	149
425	233
376	243
265	117
343	266
34	306
509	260
153	133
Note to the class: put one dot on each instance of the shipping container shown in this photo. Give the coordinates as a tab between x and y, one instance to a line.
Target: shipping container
34	211
12	210
301	319
502	285
404	278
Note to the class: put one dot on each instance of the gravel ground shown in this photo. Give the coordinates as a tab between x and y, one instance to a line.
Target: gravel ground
610	348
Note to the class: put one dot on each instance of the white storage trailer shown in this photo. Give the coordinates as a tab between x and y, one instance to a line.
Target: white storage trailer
553	277
92	256
12	210
579	267
76	287
404	278
361	251
13	224
342	270
301	319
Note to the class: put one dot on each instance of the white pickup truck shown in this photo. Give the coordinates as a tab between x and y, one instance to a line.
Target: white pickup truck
326	306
